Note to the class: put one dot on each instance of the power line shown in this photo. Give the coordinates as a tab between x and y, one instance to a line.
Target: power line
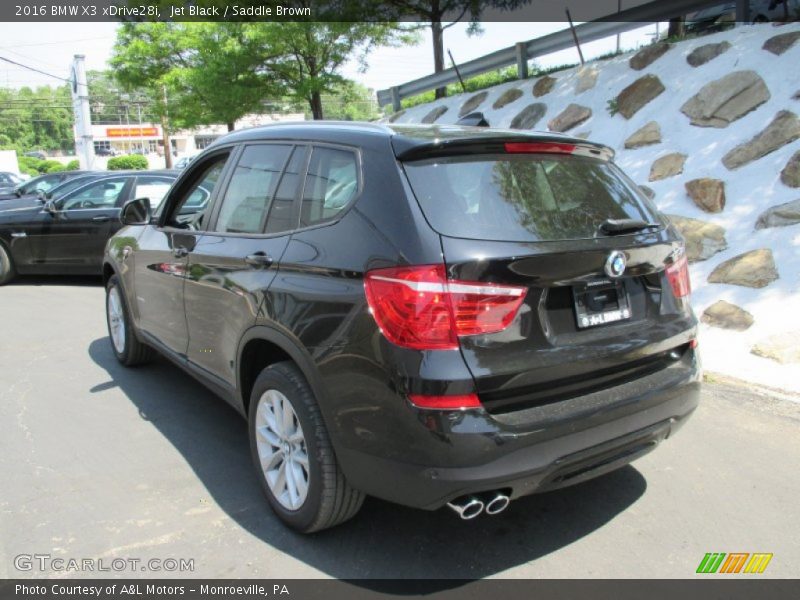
13	62
106	37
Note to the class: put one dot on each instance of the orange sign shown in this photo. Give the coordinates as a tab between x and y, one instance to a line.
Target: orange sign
131	131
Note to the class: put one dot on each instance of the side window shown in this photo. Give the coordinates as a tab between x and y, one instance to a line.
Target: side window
101	194
281	213
191	207
331	183
154	188
252	185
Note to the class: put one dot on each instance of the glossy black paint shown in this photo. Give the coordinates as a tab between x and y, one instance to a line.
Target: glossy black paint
69	242
197	297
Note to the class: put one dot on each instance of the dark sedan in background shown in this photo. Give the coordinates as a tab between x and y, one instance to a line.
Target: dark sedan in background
67	234
42	183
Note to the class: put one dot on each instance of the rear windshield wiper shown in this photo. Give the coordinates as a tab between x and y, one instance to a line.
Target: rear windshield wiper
619	226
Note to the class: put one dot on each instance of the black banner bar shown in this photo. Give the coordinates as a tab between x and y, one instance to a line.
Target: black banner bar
329	10
715	587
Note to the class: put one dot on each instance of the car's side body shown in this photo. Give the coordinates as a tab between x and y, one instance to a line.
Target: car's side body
67	234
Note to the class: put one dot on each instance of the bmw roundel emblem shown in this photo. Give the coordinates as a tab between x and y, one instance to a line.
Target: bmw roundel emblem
615	264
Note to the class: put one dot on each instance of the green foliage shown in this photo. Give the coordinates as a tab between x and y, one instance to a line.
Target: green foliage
350	101
73	165
612	107
52	166
36	119
33	166
219	72
129	161
305	57
483	81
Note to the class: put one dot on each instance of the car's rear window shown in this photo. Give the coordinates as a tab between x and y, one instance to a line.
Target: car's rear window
531	197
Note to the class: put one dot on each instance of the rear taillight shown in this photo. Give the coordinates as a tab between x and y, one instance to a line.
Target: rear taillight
678	275
418	307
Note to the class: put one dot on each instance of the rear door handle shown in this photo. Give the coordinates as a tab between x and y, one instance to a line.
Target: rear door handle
259	259
180	252
101	218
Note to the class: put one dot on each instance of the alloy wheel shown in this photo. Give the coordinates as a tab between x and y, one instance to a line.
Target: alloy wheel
116	319
282	449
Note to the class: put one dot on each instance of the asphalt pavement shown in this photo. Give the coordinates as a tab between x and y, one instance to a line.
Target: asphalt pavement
98	461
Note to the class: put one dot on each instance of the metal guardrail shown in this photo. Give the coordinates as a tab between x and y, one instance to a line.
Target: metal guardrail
522	52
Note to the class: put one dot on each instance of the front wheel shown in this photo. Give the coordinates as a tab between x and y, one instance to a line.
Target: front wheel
293	454
7	270
126	346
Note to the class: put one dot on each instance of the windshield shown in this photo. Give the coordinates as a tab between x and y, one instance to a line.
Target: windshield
38	184
531	197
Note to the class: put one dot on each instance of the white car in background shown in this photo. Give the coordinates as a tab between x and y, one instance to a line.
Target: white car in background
184	161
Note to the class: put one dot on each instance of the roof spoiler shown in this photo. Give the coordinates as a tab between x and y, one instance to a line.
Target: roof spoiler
502	143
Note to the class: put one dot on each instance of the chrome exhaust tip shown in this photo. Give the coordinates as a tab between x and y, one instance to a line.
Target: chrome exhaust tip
467	507
497	504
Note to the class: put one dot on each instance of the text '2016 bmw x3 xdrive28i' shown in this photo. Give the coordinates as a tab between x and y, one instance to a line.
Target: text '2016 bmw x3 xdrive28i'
430	315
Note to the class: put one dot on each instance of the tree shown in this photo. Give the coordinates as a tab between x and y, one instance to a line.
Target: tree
219	72
208	69
36	119
437	12
306	56
350	101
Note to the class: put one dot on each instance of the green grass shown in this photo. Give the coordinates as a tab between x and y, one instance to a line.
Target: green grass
483	81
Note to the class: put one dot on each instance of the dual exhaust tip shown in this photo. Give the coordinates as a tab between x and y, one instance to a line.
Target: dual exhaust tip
469	507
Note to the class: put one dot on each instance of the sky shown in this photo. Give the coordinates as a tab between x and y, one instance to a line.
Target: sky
50	47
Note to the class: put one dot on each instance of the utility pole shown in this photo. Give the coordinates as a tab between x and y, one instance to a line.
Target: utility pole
84	145
164	127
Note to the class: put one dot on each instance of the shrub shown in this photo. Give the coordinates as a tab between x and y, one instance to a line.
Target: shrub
31	165
130	161
51	166
73	165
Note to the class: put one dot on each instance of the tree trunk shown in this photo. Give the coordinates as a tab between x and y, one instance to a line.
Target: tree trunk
167	143
676	28
231	125
438	52
315	101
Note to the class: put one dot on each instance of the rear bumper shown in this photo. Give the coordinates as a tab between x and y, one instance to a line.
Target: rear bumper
533	450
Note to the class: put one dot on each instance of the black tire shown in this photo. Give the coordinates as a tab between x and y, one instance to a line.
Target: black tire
134	352
330	499
7	269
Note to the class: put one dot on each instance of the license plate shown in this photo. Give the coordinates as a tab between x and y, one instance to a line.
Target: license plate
602	304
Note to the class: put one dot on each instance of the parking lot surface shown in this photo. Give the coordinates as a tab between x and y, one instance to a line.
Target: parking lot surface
99	461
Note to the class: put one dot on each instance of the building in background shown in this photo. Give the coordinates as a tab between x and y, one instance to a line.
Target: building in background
113	139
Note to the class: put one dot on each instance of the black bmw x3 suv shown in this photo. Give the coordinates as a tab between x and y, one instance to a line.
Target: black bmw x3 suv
430	315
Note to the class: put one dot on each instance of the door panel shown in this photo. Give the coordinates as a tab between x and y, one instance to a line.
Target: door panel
224	294
23	238
75	236
160	268
232	267
162	258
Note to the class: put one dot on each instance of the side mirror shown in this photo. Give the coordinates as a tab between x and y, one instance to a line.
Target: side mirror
136	212
50	206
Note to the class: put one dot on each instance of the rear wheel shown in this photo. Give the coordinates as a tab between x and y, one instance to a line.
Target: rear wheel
293	454
7	270
126	346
